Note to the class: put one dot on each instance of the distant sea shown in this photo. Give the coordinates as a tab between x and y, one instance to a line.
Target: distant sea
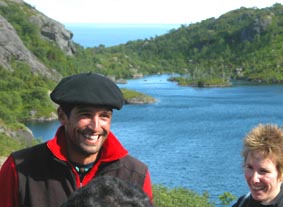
93	35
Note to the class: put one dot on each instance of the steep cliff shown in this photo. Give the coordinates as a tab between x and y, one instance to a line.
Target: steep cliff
54	31
12	48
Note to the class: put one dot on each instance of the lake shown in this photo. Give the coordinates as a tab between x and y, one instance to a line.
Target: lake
191	137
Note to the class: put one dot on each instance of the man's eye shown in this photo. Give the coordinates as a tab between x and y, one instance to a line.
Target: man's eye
85	114
105	115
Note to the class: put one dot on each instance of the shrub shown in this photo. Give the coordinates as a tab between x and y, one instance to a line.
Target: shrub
179	197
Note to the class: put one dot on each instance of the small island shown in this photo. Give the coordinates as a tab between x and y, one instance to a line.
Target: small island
201	83
134	97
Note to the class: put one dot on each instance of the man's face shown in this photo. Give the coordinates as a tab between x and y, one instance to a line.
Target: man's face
86	129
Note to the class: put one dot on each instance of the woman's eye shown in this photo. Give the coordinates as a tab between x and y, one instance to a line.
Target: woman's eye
249	167
263	171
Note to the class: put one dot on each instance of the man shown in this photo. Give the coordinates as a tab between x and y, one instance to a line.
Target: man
83	148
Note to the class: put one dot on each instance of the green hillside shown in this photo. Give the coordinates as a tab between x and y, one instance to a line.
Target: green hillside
242	44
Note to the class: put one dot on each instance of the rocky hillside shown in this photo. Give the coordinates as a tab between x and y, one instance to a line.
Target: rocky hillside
12	47
36	51
29	42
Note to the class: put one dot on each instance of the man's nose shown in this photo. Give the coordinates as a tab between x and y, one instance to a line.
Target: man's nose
94	123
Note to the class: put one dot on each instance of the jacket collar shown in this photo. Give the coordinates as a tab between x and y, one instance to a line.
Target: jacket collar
112	149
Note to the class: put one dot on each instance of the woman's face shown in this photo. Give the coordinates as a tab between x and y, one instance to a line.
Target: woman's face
262	177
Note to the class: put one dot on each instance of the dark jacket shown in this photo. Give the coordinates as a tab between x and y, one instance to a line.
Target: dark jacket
45	177
248	201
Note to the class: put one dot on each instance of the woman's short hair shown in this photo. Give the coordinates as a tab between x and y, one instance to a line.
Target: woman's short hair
268	140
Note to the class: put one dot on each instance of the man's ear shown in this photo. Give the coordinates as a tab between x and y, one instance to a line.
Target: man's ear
61	116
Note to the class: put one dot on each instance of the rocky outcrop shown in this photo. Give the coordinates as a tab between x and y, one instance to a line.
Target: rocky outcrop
50	29
55	32
258	26
22	134
12	48
143	99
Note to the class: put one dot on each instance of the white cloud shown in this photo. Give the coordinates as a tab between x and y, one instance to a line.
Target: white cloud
140	11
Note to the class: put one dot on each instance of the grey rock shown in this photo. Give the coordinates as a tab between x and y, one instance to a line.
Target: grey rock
54	32
12	48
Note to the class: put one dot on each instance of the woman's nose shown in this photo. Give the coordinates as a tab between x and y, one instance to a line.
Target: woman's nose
255	177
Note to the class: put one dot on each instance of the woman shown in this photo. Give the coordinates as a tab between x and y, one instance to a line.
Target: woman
263	167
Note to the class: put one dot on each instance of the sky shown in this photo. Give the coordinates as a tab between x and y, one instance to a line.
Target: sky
141	11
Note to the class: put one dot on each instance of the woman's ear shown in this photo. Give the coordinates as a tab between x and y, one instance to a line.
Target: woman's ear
61	116
280	177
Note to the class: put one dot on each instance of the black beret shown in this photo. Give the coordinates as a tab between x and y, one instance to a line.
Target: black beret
89	89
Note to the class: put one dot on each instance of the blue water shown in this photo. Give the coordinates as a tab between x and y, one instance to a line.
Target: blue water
192	137
91	35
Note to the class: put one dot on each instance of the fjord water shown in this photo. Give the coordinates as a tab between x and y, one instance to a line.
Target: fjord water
191	137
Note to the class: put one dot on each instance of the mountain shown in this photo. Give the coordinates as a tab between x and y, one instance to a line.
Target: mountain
242	44
33	49
36	52
12	47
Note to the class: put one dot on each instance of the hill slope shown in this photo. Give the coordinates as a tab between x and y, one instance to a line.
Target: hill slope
36	52
241	44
